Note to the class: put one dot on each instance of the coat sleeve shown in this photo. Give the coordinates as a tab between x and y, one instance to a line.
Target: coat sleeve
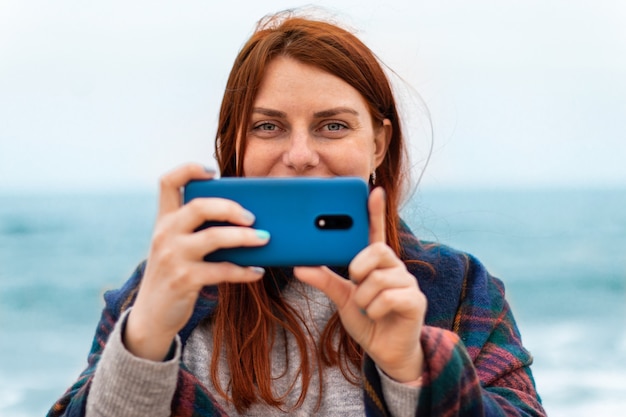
477	368
74	400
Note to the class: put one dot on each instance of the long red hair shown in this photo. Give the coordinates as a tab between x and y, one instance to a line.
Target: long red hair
249	316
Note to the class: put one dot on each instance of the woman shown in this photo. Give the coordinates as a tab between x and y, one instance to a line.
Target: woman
416	329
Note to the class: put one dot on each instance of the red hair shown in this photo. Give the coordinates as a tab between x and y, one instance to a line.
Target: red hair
249	315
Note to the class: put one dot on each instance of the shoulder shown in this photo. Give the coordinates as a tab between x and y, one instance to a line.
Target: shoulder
437	259
447	276
119	300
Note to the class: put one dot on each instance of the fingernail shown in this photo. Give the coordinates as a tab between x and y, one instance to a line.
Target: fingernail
209	170
249	216
257	270
262	234
362	311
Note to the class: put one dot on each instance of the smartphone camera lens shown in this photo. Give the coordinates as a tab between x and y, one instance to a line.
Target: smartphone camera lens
333	222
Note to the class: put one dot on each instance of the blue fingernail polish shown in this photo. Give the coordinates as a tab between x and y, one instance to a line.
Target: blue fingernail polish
262	234
209	170
249	216
258	270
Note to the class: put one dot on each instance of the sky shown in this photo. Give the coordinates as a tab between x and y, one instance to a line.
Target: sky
110	95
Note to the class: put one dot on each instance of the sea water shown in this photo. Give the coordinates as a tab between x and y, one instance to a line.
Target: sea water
562	257
560	253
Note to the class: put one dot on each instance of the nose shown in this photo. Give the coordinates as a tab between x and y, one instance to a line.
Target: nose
301	154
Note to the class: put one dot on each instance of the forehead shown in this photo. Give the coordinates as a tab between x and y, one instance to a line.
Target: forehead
291	83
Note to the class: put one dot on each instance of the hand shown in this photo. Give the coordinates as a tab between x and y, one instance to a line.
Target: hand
175	271
381	305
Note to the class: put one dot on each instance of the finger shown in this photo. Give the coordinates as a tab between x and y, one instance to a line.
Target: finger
334	286
376	206
401	301
376	256
197	245
380	281
199	210
211	273
171	183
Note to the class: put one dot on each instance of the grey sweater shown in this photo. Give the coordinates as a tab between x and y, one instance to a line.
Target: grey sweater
125	385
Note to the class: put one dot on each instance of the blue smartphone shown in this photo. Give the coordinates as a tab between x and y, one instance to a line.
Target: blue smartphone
311	221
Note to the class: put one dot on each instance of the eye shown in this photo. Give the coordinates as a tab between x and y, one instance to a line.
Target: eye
334	130
266	126
266	129
334	126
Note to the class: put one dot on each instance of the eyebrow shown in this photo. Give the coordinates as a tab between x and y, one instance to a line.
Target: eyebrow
335	112
320	114
269	112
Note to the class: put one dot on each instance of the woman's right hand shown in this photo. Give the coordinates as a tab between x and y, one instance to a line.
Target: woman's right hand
175	270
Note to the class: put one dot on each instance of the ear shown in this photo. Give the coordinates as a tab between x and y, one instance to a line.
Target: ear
382	137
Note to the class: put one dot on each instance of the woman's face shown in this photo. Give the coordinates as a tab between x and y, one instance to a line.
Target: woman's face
307	122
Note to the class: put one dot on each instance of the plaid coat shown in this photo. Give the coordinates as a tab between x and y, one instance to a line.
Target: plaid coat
475	364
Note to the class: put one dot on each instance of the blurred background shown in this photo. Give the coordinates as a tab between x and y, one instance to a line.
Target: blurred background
522	105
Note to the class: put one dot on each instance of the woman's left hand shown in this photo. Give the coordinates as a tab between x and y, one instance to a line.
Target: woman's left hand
381	306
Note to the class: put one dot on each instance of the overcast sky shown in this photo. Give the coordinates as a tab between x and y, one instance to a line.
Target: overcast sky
112	94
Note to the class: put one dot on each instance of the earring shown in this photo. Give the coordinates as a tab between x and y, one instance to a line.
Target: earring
373	177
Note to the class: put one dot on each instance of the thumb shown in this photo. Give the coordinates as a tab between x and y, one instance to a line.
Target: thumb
336	287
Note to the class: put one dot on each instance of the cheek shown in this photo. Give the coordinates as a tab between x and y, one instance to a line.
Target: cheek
258	160
249	165
351	163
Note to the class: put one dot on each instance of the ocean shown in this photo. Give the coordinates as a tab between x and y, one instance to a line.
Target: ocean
560	252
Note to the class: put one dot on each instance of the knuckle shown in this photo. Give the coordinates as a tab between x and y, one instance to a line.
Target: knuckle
354	273
214	236
377	277
422	300
383	251
161	233
181	278
167	256
159	238
387	298
165	182
213	208
380	247
195	205
162	251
